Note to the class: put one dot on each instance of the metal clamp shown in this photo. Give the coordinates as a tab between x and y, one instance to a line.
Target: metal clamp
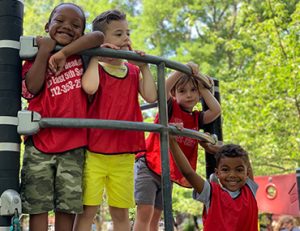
28	47
28	122
10	202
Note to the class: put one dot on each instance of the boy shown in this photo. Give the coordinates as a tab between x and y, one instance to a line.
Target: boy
230	204
115	86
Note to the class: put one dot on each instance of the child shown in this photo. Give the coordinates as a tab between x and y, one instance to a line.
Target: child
184	93
115	85
51	176
230	205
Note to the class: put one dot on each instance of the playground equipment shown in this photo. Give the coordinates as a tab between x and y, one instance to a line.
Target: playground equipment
30	122
11	13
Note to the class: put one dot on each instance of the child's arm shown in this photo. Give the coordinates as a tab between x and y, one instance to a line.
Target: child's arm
147	87
184	166
35	77
87	41
175	76
214	108
90	78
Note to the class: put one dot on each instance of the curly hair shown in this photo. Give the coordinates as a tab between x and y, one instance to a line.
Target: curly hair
231	151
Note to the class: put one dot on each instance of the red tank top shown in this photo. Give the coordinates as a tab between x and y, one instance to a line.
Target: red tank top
116	99
188	145
62	97
231	214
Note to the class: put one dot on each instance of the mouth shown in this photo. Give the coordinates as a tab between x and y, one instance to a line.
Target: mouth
65	34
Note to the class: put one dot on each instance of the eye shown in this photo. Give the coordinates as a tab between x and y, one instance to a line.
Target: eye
224	169
58	20
194	89
76	26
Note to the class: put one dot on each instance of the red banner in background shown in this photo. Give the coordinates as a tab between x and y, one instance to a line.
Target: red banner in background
278	194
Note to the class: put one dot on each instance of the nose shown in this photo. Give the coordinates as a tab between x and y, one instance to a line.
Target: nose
67	26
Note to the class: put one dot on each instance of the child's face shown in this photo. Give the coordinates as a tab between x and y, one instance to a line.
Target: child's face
187	96
232	173
66	24
117	33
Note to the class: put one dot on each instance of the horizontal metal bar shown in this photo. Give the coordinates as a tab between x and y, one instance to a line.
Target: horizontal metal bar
107	52
122	125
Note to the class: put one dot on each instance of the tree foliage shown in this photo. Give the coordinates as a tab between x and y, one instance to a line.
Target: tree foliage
251	46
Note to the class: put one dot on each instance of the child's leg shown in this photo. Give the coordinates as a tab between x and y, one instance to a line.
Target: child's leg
68	190
120	218
37	186
143	218
148	197
84	221
38	222
155	219
119	188
94	177
64	221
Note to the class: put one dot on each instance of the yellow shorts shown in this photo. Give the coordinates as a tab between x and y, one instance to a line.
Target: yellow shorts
115	174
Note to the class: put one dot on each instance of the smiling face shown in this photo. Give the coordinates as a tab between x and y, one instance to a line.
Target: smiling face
232	172
66	24
117	33
187	96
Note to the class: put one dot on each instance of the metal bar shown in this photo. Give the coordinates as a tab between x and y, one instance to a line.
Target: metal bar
11	28
123	125
298	184
213	128
164	149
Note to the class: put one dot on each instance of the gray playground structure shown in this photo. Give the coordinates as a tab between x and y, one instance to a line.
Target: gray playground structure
14	122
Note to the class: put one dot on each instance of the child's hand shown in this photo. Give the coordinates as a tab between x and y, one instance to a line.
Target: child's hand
179	126
111	46
57	62
45	44
141	53
194	67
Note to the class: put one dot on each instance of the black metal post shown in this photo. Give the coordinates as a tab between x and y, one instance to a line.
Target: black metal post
213	128
11	28
298	183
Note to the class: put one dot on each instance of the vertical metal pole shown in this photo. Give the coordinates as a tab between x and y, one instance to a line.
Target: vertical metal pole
11	22
213	128
298	184
164	149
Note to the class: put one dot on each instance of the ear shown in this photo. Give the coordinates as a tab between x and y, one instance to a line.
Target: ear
217	172
47	27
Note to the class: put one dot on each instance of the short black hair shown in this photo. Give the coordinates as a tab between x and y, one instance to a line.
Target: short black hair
231	151
103	19
72	4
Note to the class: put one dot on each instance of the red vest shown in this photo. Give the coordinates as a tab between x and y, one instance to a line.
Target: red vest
61	96
188	145
116	99
228	214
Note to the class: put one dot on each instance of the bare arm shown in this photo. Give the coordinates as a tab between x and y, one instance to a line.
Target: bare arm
214	108
147	87
87	41
35	77
184	166
90	79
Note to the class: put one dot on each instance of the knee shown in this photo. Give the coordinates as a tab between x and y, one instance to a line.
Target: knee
119	214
